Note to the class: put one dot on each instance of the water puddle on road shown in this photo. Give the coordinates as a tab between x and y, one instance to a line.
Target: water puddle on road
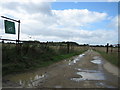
97	61
28	79
73	61
81	55
76	59
104	85
89	75
90	71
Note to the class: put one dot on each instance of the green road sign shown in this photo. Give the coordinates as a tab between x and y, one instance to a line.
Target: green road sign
9	27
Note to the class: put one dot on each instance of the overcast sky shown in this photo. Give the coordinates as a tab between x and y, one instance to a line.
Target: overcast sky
81	22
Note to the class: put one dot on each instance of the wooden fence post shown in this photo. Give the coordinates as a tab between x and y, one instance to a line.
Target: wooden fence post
17	47
2	41
68	47
107	47
118	47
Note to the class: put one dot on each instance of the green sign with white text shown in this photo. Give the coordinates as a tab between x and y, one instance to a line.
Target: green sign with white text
9	27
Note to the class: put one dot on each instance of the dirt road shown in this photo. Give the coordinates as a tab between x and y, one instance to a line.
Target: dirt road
88	70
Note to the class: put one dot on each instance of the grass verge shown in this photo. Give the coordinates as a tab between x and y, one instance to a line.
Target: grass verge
112	57
58	58
31	57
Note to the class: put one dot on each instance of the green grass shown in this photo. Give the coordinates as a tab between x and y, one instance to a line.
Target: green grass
58	58
112	57
31	57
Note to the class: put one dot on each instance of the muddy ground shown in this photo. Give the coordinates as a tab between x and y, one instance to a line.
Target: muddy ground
88	70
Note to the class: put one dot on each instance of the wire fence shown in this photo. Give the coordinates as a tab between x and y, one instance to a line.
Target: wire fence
61	47
108	48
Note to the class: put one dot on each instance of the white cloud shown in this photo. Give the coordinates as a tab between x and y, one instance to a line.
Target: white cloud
26	1
113	0
39	22
114	23
36	1
75	17
87	0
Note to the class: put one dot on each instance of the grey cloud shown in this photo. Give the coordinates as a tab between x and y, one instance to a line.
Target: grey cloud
30	7
66	34
10	6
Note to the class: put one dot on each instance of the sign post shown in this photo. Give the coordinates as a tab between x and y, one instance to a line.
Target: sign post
10	26
18	31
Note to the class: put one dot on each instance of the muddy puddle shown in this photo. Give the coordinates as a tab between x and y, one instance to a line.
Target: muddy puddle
81	55
97	60
104	85
28	79
71	62
90	71
89	75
